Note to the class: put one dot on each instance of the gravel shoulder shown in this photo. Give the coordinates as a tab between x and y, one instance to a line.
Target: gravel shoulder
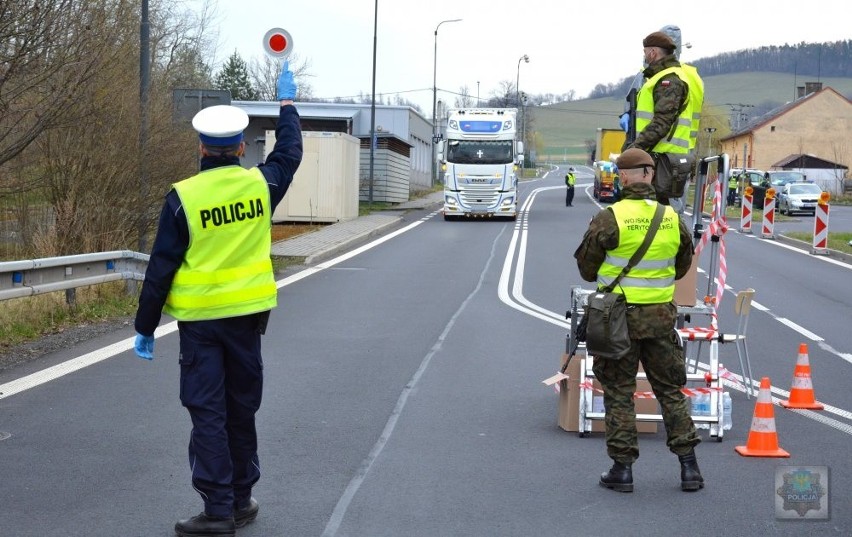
32	350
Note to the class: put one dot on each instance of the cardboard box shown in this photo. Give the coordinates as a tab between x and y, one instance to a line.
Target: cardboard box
686	288
569	401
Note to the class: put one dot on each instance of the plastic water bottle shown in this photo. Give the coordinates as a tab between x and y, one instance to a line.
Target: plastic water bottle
727	408
701	407
696	407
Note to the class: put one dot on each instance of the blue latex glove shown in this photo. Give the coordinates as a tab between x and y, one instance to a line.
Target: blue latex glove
144	346
286	84
624	121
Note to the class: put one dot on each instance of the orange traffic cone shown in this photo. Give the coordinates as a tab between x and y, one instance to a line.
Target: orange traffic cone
802	392
762	438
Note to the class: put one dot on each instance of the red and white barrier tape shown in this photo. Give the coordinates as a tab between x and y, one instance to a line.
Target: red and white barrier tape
589	385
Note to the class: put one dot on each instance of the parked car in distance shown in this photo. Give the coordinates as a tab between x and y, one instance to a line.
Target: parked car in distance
751	178
799	197
775	179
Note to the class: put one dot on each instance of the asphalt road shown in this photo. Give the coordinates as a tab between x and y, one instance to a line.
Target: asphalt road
403	396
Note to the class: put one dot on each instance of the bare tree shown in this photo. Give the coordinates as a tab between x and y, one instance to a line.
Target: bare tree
48	53
76	184
264	74
463	99
504	96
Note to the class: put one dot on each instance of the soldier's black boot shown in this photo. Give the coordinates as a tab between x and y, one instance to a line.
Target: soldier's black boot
690	475
204	525
619	477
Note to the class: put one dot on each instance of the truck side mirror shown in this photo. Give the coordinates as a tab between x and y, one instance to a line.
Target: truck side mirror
520	149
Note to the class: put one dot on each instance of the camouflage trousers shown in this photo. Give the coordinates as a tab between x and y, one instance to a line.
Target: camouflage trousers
663	361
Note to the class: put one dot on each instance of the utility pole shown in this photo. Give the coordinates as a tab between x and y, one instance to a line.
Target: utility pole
737	108
710	131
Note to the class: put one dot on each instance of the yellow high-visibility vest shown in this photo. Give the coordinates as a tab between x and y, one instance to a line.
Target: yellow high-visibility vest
684	137
652	280
696	96
227	270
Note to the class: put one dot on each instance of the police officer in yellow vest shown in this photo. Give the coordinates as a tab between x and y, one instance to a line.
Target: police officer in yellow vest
210	268
570	180
669	103
614	234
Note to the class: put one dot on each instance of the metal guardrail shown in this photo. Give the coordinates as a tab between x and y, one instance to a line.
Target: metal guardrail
46	275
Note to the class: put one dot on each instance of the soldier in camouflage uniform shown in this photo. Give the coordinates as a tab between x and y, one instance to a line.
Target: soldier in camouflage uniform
670	93
654	341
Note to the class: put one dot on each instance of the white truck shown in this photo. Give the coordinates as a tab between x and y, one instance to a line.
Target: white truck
479	160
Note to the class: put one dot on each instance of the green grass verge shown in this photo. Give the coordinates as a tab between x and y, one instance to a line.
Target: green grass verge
836	241
28	318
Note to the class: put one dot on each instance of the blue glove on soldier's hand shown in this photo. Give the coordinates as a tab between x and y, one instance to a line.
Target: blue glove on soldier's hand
144	346
286	84
624	121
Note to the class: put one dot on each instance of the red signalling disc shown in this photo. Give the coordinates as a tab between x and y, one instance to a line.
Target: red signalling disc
278	43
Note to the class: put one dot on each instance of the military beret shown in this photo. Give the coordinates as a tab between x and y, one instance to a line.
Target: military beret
633	158
220	125
659	39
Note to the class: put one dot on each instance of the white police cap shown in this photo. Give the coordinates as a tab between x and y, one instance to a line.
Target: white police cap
220	125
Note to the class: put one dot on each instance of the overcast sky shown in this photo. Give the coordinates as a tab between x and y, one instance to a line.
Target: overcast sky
571	45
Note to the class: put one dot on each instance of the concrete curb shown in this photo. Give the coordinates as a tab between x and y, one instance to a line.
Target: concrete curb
320	245
808	247
325	253
801	245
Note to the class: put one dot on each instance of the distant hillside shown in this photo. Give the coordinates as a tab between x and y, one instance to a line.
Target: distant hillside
806	60
564	129
739	86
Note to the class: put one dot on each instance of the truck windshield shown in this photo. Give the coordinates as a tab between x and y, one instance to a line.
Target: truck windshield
480	151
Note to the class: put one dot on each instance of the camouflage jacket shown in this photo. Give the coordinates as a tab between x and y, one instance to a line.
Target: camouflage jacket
669	95
647	320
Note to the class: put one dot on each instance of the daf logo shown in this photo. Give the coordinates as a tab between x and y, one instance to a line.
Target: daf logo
478	180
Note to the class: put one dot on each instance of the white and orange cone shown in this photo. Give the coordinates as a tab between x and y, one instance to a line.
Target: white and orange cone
762	437
802	393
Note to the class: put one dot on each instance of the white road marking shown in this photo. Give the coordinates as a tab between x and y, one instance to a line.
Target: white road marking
517	301
75	364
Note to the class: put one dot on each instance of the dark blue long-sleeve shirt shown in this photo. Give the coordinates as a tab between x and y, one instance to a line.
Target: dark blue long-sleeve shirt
172	238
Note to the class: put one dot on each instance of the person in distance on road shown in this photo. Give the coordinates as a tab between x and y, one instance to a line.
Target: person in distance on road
569	184
612	237
210	268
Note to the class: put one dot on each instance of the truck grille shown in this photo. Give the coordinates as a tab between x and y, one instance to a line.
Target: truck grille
479	196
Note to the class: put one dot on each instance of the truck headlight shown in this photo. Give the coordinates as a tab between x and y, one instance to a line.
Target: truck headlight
508	201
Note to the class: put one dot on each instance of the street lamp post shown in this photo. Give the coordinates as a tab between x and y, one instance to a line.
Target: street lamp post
435	101
525	59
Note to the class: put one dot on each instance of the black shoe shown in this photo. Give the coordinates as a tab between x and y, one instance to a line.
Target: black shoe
690	475
247	514
619	477
206	526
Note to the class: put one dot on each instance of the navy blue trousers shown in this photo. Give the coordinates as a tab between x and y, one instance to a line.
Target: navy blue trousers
221	385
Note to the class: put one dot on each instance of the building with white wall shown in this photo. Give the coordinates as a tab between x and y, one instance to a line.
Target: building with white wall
402	159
